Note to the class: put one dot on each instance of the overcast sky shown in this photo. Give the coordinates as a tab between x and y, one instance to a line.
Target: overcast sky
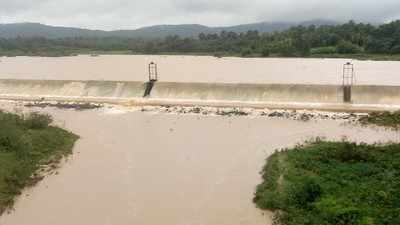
128	14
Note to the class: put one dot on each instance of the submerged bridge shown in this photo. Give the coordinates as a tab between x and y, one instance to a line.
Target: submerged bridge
287	96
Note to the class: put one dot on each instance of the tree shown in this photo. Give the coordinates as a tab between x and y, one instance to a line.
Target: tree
346	47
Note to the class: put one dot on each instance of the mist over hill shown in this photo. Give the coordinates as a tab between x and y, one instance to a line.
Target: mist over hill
27	30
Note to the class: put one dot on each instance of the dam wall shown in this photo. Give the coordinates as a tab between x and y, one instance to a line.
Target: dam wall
248	92
70	90
379	95
296	96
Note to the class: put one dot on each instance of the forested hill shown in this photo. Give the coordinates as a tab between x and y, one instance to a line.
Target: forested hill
29	30
357	40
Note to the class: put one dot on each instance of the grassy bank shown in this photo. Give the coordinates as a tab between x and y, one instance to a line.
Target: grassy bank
26	144
384	119
333	183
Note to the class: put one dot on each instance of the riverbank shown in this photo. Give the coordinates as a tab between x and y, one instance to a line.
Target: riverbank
326	182
29	148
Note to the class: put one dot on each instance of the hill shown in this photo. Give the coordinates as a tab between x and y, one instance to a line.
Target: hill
159	31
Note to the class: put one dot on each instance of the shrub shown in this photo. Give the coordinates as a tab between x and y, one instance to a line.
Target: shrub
385	119
350	152
306	192
323	50
10	138
332	183
395	49
246	52
38	121
266	52
336	212
346	47
218	55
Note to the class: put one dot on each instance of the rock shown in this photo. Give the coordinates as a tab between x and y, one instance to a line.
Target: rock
276	114
305	117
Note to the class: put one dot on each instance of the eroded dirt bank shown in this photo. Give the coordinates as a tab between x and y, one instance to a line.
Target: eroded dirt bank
148	167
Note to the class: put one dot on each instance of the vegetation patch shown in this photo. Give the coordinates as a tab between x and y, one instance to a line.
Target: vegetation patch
333	183
27	144
385	119
349	40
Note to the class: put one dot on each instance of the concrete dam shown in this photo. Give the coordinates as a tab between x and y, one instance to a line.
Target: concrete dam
285	96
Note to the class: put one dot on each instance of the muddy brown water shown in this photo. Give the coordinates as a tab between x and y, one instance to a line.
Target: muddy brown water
132	167
199	69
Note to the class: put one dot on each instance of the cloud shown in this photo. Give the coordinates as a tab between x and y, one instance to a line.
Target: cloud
128	14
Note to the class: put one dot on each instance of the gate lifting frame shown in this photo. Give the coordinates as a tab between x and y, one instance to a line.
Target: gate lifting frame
153	72
348	81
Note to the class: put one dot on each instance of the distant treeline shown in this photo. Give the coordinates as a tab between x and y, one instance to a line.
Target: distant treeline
330	40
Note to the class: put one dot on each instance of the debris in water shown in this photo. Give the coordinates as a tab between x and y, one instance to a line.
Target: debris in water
65	105
302	115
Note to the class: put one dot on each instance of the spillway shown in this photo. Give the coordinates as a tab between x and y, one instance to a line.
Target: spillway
288	96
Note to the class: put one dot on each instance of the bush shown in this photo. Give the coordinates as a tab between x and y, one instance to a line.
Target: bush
323	50
284	48
333	183
306	192
266	52
38	121
218	55
246	52
395	49
350	152
10	138
336	212
346	47
385	119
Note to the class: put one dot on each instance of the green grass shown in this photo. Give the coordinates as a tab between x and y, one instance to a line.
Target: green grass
360	56
333	183
384	119
26	144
